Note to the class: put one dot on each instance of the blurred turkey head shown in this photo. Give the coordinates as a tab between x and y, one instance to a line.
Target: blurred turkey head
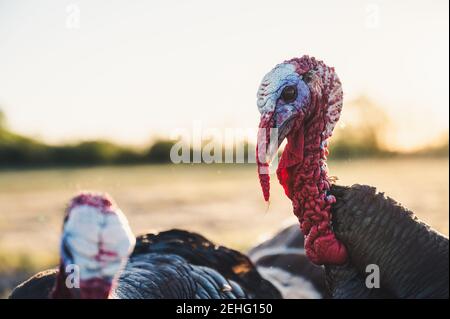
95	245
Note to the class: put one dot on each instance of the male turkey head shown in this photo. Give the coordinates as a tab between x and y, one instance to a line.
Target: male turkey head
301	100
292	97
95	244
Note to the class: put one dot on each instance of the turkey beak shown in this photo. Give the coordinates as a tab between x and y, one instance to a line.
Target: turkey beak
273	129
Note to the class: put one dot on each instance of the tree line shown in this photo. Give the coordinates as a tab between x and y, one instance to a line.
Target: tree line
17	150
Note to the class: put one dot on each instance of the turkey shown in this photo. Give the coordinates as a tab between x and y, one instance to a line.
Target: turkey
100	258
345	228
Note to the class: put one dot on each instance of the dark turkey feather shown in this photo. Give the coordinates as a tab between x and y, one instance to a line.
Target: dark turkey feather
412	258
37	287
282	260
197	250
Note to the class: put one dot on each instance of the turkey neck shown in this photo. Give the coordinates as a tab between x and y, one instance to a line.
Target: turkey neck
303	174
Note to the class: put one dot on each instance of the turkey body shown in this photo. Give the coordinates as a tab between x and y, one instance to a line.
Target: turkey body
412	258
175	264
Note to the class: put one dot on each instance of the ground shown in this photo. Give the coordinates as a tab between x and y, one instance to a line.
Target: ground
222	202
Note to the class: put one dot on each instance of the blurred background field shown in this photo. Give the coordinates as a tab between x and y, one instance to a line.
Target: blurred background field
223	202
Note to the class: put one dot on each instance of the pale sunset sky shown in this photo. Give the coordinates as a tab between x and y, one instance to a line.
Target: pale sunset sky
129	70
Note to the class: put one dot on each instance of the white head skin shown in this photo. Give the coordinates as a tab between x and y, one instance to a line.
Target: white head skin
95	245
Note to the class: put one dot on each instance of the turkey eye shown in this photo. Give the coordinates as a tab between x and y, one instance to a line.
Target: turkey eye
289	94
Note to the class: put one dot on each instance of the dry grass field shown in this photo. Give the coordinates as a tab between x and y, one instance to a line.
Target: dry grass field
222	202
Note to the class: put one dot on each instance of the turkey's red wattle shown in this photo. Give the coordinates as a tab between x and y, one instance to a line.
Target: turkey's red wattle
95	288
303	175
